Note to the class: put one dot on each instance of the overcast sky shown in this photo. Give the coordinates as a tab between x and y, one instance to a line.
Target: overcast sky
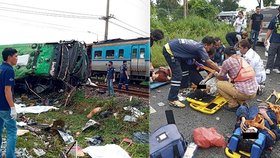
28	21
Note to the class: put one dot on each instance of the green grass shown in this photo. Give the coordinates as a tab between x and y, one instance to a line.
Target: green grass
110	128
193	27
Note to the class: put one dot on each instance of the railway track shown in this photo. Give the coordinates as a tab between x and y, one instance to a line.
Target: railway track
131	91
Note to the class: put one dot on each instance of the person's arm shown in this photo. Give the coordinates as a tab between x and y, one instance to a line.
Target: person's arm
244	24
268	34
126	74
212	65
9	95
114	75
250	25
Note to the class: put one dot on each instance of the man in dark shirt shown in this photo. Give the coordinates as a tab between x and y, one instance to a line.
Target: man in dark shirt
274	49
123	76
255	26
219	51
180	55
7	109
110	78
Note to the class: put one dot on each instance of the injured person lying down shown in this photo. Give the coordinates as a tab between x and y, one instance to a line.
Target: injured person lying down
265	117
162	75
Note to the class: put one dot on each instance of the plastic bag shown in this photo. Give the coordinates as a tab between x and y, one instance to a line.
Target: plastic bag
207	137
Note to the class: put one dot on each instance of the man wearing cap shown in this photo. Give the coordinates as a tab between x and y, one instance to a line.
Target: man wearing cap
123	76
110	78
180	55
243	85
274	49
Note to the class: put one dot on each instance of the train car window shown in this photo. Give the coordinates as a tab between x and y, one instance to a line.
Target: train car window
134	53
110	54
142	53
98	54
121	53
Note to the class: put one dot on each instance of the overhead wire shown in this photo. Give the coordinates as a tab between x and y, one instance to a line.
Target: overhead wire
130	25
127	29
52	10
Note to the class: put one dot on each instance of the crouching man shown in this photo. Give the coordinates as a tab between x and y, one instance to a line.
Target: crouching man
242	85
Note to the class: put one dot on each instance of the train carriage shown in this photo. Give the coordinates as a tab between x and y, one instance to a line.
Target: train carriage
135	51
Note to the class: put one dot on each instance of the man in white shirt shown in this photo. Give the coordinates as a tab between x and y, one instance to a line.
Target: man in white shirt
255	61
240	23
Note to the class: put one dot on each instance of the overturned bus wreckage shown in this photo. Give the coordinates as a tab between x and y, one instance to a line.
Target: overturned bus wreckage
50	66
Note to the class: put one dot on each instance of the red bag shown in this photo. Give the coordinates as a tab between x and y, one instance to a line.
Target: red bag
207	137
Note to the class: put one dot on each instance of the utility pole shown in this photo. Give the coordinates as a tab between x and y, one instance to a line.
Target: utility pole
185	8
107	20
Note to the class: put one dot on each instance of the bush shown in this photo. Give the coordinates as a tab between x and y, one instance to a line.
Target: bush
193	27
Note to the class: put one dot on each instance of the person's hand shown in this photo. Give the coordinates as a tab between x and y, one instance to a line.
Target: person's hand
216	74
105	80
243	125
265	42
13	113
202	82
128	77
113	80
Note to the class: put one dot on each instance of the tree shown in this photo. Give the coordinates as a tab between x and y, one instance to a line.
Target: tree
230	5
203	9
217	4
268	2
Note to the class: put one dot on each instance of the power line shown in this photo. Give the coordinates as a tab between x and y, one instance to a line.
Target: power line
130	25
127	29
45	13
83	14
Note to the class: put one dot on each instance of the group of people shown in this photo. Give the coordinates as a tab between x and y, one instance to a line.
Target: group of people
239	69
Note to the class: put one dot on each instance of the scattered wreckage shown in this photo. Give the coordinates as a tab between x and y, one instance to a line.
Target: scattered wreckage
50	66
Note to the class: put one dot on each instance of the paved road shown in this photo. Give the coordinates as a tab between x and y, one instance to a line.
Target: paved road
188	119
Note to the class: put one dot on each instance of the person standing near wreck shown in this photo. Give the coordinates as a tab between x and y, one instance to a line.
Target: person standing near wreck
7	109
123	76
180	55
110	78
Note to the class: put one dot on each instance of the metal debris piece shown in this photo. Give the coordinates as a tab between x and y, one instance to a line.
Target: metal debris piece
95	140
21	124
128	118
21	132
152	110
22	153
67	138
181	98
135	112
39	152
161	104
106	114
90	124
141	137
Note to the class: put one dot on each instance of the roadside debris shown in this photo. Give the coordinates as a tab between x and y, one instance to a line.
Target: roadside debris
107	151
161	104
39	152
91	124
21	108
76	151
22	153
191	150
134	111
94	111
89	83
181	98
67	138
141	137
95	140
128	118
21	132
152	110
127	141
106	113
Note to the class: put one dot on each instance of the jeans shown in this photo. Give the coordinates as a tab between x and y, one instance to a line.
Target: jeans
182	75
274	49
254	38
11	128
123	80
110	87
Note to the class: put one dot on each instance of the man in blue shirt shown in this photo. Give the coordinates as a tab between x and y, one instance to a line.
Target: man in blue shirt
7	109
110	78
219	54
180	55
123	76
274	49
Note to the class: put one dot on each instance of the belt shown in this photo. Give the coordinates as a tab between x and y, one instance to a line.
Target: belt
169	51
